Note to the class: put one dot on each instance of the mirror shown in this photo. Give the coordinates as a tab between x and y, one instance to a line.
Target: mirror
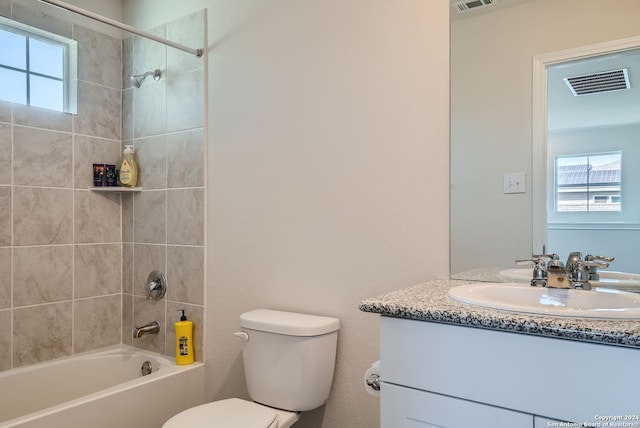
492	129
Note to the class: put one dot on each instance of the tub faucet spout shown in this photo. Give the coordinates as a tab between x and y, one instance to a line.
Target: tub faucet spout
151	328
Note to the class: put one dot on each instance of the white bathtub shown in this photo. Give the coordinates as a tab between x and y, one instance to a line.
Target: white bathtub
103	389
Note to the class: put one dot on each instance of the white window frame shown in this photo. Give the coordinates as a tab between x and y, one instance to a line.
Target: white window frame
70	59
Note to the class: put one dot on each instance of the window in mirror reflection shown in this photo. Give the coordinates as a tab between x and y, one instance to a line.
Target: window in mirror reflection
588	182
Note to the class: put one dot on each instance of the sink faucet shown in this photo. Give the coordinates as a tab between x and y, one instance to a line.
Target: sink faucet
576	274
151	328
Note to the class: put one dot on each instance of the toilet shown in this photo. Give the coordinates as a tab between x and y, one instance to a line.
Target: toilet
289	359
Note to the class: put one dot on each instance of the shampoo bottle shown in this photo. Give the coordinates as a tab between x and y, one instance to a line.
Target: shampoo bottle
128	168
184	340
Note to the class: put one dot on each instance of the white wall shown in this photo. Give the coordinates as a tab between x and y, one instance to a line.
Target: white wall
491	83
327	169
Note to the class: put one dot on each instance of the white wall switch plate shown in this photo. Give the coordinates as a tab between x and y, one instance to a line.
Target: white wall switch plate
514	182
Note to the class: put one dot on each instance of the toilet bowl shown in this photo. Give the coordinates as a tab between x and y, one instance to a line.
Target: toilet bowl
278	348
232	413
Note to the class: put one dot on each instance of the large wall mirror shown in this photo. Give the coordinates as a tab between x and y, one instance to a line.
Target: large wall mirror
496	133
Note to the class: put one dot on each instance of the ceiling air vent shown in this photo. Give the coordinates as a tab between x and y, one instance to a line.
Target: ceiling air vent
595	83
465	6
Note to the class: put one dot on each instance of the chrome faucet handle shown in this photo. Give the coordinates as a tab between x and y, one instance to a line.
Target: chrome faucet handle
593	268
590	258
602	265
539	274
583	273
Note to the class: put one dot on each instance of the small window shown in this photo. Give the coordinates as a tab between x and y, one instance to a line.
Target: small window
35	67
589	182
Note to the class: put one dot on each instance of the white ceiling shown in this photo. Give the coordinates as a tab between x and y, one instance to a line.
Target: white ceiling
566	111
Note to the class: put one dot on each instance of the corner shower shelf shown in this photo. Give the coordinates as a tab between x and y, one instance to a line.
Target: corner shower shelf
115	189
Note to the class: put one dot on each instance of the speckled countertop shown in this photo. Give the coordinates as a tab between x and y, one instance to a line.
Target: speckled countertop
429	302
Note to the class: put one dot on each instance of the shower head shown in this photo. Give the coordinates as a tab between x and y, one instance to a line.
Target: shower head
136	80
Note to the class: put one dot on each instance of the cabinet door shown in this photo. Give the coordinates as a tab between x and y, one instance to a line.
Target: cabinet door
411	408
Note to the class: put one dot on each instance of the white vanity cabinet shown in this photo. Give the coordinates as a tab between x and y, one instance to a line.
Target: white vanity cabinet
442	375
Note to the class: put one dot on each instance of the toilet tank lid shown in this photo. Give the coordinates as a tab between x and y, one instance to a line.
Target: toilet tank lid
288	323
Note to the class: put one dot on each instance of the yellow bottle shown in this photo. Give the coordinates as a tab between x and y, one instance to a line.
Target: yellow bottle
184	340
128	168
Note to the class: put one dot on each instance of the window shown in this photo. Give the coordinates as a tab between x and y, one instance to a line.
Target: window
588	182
35	67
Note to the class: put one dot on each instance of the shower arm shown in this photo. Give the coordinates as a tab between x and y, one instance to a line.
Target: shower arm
71	8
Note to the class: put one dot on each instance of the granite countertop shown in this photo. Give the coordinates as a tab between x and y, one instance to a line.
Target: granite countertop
429	302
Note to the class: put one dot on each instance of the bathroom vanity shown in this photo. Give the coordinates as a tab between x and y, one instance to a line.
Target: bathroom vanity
448	364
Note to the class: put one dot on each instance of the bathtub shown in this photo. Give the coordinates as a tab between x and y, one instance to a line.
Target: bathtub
102	389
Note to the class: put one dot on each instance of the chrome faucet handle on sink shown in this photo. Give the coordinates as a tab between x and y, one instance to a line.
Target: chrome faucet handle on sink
580	275
539	274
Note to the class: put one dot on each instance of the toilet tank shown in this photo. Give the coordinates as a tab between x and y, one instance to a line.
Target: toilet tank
289	358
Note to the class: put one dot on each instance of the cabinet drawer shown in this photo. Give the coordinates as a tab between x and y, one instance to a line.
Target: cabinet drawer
411	408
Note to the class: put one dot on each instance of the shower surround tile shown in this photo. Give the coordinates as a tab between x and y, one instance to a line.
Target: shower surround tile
149	217
5	216
152	157
150	108
5	111
185	273
42	118
97	217
185	150
97	270
185	229
5	340
5	153
99	57
185	111
99	111
42	275
127	268
97	249
42	216
5	274
41	333
149	55
97	323
189	31
41	157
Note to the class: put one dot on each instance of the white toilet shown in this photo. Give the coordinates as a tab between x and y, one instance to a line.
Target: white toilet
289	360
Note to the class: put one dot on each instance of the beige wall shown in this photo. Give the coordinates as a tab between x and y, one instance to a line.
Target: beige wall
327	170
491	84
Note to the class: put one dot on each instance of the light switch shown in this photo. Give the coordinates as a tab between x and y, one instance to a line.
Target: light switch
514	182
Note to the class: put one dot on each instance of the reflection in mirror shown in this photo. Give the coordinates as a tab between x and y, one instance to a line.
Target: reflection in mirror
592	183
492	126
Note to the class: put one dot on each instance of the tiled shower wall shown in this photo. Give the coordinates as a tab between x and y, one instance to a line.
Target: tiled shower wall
163	225
67	282
60	244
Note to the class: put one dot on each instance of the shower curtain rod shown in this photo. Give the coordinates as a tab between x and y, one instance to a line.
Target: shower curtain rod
120	25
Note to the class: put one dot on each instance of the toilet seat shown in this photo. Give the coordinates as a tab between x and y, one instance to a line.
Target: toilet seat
230	413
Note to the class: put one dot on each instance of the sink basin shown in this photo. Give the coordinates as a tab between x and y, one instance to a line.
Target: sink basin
600	303
608	279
